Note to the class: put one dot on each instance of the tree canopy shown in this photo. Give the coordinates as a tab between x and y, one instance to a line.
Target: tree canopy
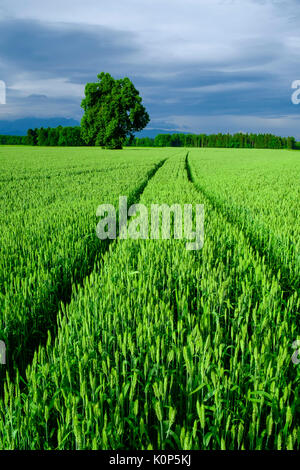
113	110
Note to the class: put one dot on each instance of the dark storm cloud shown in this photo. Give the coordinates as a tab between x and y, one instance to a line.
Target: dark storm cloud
214	59
56	49
56	55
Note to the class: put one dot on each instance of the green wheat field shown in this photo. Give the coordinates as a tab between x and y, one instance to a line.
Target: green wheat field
141	344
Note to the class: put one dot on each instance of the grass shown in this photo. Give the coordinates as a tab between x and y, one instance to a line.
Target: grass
159	347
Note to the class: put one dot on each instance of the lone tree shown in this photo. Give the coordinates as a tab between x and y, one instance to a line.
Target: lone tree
112	112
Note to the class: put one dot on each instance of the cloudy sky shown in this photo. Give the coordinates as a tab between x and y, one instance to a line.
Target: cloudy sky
200	65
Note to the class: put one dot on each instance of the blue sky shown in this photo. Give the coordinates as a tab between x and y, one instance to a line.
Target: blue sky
200	65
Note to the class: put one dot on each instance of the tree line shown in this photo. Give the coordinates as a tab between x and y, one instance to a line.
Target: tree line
239	140
72	136
52	136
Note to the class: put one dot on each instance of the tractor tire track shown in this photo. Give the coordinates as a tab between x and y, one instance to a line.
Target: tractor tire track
282	273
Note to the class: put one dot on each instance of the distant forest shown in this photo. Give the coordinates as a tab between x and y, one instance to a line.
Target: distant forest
239	140
71	136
